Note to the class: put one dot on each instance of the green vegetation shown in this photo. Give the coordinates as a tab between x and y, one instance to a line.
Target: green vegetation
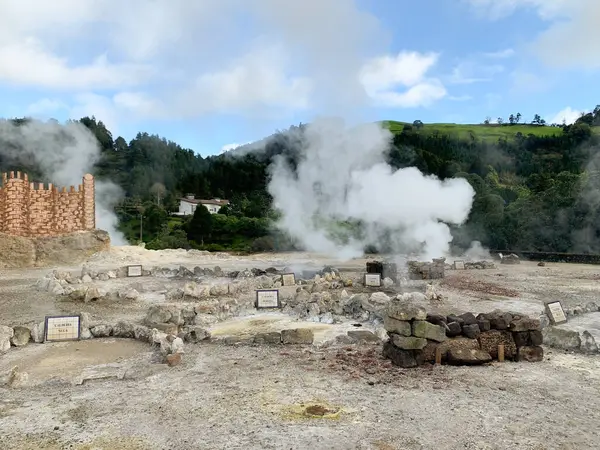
536	185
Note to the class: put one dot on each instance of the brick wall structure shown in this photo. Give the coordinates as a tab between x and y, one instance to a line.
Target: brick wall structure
35	209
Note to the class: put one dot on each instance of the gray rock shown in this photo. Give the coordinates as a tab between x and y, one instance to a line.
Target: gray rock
536	338
6	334
408	342
401	327
406	311
588	343
92	293
468	318
38	332
84	326
525	324
591	307
196	334
123	329
522	338
142	333
388	282
454	318
544	321
560	338
423	329
484	325
21	336
101	330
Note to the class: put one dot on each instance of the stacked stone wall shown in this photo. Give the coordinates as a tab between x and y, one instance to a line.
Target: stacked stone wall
35	209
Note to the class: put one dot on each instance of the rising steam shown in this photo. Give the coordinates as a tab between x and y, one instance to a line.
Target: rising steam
63	154
342	176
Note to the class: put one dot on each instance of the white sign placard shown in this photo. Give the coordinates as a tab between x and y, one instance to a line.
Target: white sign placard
373	279
62	328
288	279
267	298
459	265
556	314
134	271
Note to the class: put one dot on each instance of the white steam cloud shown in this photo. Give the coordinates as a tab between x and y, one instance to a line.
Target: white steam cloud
64	154
342	176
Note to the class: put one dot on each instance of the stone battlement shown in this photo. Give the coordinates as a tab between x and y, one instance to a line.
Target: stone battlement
31	209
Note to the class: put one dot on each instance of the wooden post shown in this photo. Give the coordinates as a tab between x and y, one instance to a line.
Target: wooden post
501	352
438	355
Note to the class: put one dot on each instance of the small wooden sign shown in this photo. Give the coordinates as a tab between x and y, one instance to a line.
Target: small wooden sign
288	279
134	271
373	279
556	313
62	328
267	298
459	265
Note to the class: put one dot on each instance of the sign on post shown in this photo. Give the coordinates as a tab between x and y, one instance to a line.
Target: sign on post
267	298
134	271
288	279
556	313
459	265
62	328
373	279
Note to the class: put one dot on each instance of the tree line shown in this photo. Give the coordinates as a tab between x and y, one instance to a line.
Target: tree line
533	192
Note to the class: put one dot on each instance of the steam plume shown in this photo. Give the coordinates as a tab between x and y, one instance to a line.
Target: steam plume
63	154
342	176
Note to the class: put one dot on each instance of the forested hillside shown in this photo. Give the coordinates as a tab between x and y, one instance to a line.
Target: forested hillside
537	187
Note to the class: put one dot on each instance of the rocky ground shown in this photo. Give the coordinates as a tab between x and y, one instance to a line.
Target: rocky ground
229	397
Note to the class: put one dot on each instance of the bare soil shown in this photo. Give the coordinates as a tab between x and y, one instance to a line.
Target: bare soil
262	397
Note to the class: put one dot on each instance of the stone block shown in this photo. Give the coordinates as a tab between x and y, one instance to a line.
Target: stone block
297	336
399	357
466	357
436	319
453	329
408	342
406	311
21	336
521	338
401	327
458	343
536	338
273	337
453	318
530	354
471	331
468	318
525	324
423	329
363	336
490	340
484	324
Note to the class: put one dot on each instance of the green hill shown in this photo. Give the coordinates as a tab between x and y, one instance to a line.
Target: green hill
491	132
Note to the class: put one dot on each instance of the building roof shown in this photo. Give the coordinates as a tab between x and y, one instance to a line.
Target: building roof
195	201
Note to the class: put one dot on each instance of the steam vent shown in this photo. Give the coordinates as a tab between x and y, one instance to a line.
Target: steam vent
35	210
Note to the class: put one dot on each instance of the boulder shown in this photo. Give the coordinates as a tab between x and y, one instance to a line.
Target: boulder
468	318
468	357
424	329
453	329
536	338
588	343
458	343
195	334
561	338
522	338
484	325
21	336
363	336
123	329
38	331
142	333
101	330
6	334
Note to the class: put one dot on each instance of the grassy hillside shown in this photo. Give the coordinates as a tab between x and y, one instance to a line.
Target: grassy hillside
490	132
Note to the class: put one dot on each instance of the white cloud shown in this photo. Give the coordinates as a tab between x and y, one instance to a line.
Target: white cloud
229	147
178	58
383	76
567	115
572	29
469	72
500	54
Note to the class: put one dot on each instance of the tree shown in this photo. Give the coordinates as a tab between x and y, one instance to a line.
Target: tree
511	119
537	120
487	120
418	124
200	226
518	117
158	189
500	120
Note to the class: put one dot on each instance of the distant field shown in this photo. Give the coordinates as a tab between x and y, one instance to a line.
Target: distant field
485	132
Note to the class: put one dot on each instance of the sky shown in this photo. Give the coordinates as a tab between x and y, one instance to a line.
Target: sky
212	74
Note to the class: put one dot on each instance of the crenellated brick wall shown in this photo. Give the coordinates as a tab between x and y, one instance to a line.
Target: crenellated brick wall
35	209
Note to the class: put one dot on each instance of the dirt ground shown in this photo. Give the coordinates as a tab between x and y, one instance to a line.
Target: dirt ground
254	397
